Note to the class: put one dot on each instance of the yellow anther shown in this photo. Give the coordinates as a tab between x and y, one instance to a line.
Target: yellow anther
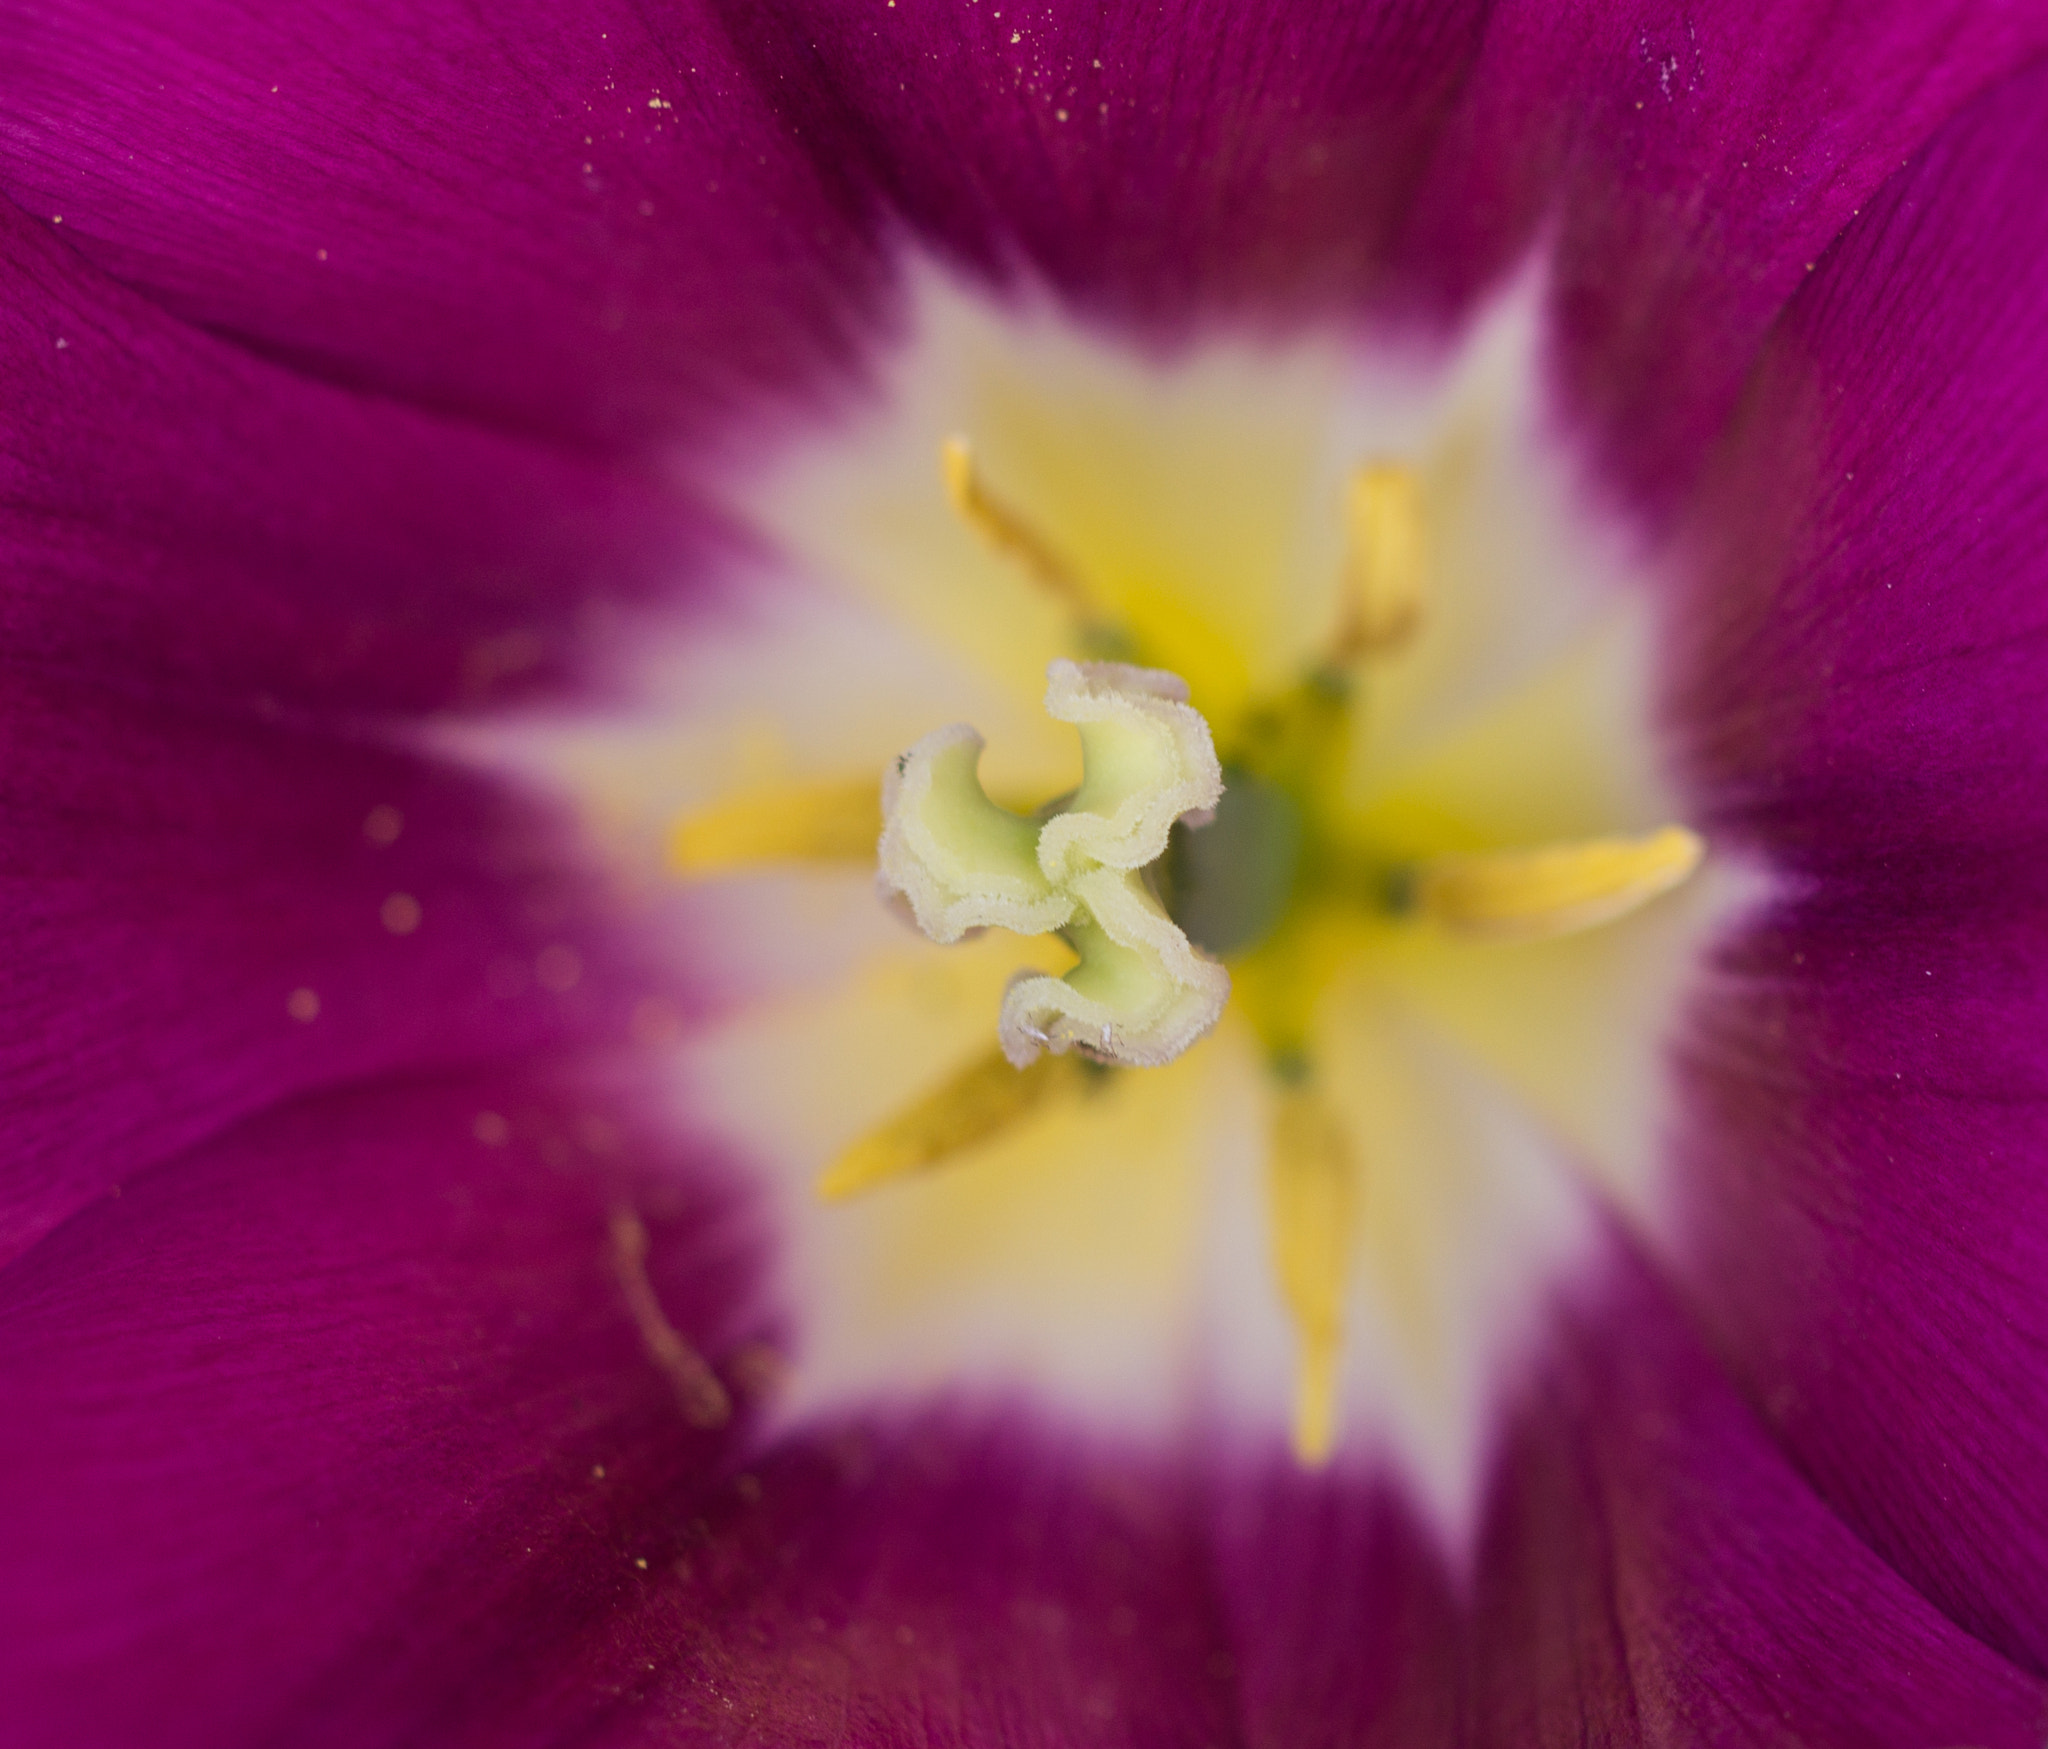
1531	895
1009	533
1312	1192
819	822
981	1102
1383	561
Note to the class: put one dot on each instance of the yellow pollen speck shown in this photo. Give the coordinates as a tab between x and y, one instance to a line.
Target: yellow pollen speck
1533	895
400	913
655	1021
557	968
382	825
982	1101
303	1004
491	1129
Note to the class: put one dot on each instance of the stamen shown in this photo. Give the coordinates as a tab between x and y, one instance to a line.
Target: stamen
1383	560
1312	1190
699	1394
817	822
984	1100
1009	533
1533	895
1141	994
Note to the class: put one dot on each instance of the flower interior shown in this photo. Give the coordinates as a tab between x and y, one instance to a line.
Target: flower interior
1297	976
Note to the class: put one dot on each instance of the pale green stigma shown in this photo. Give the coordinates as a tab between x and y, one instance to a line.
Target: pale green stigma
1141	993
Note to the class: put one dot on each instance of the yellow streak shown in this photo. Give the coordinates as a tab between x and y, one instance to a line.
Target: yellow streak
1533	895
980	1102
699	1393
1383	560
839	821
1311	1181
1008	532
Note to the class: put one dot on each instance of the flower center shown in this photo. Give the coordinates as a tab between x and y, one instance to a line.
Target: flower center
1191	841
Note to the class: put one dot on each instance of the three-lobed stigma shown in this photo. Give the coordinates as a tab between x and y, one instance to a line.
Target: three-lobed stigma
1140	993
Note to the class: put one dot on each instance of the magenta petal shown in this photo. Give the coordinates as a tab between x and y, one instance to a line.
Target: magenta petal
221	581
583	220
1651	1570
951	1580
1688	162
1254	160
180	519
1859	688
201	922
341	1431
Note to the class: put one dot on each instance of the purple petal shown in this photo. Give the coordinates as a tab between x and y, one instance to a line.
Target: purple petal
581	219
1214	157
1859	689
183	520
957	1581
227	878
1687	162
1651	1570
342	1429
200	924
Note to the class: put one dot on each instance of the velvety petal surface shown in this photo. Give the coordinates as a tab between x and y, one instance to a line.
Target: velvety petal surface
228	873
583	220
1859	687
1685	165
344	1429
328	1412
611	223
1681	165
948	1583
182	520
1652	1570
329	1430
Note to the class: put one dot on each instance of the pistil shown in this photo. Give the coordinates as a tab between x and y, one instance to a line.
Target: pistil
1141	993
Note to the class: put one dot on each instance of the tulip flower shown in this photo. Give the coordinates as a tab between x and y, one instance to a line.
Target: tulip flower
946	873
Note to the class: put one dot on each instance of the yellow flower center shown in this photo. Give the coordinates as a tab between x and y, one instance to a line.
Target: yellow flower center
1457	926
1158	855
